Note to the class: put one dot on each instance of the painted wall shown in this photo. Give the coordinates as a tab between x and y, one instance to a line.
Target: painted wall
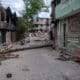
8	37
60	34
69	7
72	33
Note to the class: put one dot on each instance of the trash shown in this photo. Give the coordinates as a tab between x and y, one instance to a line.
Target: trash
22	42
76	56
2	50
10	46
26	69
9	75
8	56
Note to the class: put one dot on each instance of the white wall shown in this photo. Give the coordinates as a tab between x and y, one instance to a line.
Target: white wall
8	37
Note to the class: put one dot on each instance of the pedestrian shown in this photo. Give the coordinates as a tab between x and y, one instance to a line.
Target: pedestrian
51	35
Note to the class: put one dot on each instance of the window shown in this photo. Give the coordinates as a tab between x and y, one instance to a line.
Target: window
64	1
58	1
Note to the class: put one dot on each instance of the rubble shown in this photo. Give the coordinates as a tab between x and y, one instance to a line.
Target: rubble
76	56
5	56
6	50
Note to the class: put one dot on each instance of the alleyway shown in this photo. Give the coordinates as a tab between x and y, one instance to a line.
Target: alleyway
39	64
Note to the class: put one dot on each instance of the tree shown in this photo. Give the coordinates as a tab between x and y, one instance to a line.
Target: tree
21	28
32	7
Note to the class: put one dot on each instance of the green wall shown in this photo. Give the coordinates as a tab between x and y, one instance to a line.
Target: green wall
71	45
65	9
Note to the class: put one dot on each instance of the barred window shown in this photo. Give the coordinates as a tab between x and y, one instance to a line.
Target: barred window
64	1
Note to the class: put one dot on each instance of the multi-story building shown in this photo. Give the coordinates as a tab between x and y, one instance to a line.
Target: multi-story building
7	25
67	12
41	24
53	28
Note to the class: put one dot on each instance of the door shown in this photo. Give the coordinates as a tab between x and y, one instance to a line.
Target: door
64	35
3	36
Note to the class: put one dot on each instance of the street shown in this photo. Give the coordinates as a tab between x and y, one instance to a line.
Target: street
39	39
39	64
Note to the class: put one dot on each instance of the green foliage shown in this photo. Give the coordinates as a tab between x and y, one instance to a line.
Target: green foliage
45	9
32	7
21	28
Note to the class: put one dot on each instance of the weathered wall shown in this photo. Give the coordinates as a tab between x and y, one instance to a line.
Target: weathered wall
13	36
8	37
65	9
72	34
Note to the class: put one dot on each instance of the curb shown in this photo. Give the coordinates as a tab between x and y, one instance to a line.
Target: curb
26	48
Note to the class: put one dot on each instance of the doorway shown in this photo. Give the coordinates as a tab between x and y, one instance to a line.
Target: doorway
64	35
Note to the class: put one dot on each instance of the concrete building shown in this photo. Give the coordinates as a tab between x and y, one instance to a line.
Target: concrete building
67	14
41	24
7	25
53	29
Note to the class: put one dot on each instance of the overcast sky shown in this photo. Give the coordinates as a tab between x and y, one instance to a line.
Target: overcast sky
18	6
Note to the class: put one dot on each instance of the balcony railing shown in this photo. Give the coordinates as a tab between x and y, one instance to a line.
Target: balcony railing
4	25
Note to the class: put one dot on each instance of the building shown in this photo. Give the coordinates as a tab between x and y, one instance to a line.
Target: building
41	24
7	25
53	29
67	14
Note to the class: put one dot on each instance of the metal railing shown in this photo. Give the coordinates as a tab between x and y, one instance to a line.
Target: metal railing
4	25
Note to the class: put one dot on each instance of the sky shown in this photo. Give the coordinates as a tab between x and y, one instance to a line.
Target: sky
18	5
46	14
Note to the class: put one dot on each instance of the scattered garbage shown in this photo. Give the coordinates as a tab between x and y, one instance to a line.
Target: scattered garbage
9	75
76	56
5	56
25	69
10	46
63	56
22	42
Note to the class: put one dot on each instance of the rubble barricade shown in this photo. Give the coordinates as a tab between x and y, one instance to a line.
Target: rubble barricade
76	56
65	54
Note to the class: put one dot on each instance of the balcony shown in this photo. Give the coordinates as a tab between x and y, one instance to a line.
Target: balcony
11	27
66	9
4	25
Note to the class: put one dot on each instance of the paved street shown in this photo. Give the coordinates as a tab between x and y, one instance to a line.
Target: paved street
39	64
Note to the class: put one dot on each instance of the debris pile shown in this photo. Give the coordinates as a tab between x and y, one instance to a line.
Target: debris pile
8	56
77	56
5	54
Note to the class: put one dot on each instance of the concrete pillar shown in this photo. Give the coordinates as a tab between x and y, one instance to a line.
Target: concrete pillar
8	37
13	36
3	36
0	38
